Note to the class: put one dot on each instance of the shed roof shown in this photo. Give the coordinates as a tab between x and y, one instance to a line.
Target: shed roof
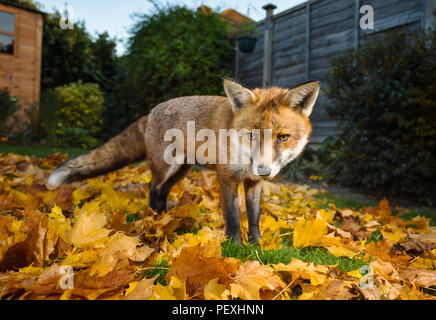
21	7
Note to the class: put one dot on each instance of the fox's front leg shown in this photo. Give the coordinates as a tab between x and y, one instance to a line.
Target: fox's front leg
229	204
253	193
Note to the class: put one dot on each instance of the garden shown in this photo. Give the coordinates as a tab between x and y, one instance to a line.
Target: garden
317	242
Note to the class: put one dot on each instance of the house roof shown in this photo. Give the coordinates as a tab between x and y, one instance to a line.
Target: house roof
22	7
235	17
230	15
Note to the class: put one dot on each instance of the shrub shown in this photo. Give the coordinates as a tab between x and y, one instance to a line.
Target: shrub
8	106
81	106
71	115
75	137
176	52
385	95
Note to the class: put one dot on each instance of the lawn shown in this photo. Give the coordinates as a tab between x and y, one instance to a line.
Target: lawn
39	151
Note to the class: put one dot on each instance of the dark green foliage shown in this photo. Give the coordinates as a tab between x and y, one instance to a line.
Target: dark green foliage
303	167
385	93
71	115
40	151
25	3
71	55
8	105
174	52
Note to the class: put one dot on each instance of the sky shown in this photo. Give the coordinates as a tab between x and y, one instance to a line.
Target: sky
115	16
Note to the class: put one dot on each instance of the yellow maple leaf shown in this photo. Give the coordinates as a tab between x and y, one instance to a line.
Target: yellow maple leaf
141	291
309	232
119	246
250	278
132	285
89	231
59	224
215	291
393	234
161	292
81	259
339	251
306	270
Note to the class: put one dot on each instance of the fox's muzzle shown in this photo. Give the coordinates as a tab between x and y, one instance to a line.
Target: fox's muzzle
263	171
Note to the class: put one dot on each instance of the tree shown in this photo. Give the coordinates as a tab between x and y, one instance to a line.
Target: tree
177	52
68	50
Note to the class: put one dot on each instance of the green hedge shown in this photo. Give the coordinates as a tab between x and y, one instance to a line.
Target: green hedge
385	94
72	115
8	106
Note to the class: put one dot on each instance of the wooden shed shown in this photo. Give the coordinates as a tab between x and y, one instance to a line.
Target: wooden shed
20	51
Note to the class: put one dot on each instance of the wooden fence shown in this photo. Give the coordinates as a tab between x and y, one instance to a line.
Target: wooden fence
306	37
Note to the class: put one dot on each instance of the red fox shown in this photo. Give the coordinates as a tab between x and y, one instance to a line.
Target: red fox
285	113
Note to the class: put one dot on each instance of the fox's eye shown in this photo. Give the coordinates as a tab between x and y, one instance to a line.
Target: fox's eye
283	137
251	136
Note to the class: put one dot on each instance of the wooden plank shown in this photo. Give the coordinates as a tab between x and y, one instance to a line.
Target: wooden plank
307	71
38	59
327	124
324	8
388	8
333	39
394	21
331	50
288	33
291	59
324	22
335	27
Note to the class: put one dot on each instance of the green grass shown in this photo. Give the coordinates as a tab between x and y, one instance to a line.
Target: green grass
340	202
157	268
343	203
421	212
317	255
39	151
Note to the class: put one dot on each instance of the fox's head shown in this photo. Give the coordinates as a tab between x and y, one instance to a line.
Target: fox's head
276	122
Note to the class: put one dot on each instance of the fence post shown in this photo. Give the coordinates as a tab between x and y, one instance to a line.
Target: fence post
430	14
307	41
237	60
267	51
357	24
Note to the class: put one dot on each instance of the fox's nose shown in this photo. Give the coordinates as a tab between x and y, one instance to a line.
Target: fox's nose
263	171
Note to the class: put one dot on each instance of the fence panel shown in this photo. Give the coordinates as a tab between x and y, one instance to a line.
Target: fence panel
308	36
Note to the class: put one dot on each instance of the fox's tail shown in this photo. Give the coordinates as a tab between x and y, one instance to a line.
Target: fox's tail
125	148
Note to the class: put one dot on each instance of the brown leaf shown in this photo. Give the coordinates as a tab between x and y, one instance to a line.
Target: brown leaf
142	291
337	290
253	280
373	293
64	199
197	270
417	246
353	227
421	277
383	209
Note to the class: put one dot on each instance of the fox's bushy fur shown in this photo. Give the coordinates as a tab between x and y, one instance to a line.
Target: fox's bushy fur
285	112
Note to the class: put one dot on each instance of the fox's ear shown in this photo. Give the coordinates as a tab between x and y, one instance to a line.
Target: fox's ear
304	97
238	95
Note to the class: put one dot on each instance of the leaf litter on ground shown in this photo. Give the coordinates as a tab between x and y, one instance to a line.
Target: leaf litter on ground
118	248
